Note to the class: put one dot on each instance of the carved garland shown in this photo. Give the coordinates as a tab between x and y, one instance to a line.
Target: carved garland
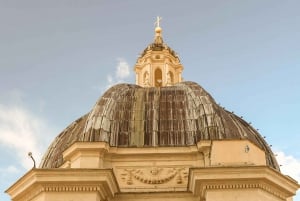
155	175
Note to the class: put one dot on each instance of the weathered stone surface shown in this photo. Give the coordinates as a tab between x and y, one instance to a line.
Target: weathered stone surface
133	116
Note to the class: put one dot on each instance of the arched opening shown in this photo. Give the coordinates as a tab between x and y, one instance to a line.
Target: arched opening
158	77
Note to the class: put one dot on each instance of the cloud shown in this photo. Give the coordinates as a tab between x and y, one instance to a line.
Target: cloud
122	72
9	169
21	132
109	79
122	69
289	165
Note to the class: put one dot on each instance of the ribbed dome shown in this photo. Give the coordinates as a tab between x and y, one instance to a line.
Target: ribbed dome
159	46
132	116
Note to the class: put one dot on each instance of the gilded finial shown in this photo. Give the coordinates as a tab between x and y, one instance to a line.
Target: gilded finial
158	19
157	23
158	38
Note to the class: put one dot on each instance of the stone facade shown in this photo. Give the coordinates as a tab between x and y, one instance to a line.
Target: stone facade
95	171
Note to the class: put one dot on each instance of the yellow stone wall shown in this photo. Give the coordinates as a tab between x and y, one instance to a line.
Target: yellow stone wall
211	171
241	152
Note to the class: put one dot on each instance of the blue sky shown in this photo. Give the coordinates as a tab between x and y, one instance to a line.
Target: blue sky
57	57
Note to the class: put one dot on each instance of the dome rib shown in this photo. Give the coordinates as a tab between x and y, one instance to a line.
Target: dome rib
132	116
53	157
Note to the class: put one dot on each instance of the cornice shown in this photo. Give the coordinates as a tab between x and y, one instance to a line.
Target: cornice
259	177
38	181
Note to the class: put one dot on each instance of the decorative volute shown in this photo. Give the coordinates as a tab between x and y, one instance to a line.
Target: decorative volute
158	65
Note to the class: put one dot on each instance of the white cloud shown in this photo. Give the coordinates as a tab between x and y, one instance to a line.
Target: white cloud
122	72
110	82
22	132
109	79
122	69
289	165
9	169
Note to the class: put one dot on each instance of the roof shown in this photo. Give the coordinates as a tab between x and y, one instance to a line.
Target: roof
128	115
159	47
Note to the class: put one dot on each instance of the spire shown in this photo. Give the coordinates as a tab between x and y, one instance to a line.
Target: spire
158	65
158	38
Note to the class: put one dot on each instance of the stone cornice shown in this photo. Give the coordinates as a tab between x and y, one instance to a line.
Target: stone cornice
37	181
99	147
259	177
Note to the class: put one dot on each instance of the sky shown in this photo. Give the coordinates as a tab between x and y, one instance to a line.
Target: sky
57	57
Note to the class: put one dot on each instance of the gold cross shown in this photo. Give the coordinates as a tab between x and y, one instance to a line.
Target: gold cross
158	19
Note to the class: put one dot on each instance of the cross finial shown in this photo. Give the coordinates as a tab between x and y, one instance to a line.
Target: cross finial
158	19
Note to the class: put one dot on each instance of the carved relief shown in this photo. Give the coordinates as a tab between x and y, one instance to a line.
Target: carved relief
154	175
170	78
146	80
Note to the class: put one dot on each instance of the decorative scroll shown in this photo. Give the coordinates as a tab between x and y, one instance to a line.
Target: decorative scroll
154	175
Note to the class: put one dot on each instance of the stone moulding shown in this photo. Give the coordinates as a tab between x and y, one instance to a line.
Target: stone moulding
37	181
71	188
264	178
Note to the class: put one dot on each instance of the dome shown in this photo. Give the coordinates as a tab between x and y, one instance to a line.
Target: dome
128	115
158	45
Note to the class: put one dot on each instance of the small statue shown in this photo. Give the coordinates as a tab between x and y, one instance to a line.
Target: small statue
146	80
169	79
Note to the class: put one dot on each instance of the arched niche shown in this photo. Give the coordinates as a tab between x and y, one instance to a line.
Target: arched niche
158	77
